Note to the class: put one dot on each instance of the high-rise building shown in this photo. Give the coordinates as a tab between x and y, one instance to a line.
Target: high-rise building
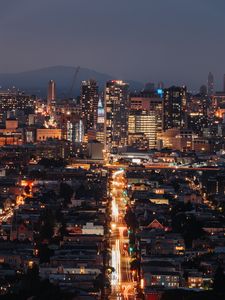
100	113
51	98
150	103
89	104
116	115
198	106
178	139
143	122
16	104
218	104
68	117
210	84
71	126
100	133
175	107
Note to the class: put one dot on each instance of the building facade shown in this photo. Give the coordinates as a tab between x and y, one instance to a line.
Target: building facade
175	107
116	115
51	97
148	103
143	122
210	84
89	104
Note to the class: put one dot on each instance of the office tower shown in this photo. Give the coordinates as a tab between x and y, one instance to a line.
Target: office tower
100	113
79	132
198	106
210	84
16	104
177	139
16	101
89	104
70	124
100	133
51	98
153	103
68	117
116	115
175	107
142	123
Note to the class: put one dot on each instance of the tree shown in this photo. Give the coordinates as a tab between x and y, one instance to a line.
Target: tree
47	225
44	253
46	231
99	282
33	272
51	162
135	265
66	192
63	228
219	280
181	207
188	226
130	219
30	282
81	191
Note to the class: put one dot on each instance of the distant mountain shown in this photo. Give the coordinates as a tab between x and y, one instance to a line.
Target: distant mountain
36	81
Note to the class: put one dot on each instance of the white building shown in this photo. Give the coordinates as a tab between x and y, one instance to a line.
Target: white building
91	228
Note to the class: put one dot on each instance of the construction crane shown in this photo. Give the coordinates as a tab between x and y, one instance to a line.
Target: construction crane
73	82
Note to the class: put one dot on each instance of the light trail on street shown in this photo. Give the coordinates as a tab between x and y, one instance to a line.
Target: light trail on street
121	279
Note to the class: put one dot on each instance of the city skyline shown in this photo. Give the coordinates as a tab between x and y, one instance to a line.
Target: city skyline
145	43
112	148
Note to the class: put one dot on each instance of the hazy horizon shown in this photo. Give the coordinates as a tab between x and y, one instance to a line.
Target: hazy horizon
146	41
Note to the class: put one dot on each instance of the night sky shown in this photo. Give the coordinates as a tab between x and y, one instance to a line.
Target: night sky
177	41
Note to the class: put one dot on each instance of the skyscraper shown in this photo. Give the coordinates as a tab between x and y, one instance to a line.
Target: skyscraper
153	103
116	112
175	107
101	112
89	104
51	98
143	122
100	133
210	84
